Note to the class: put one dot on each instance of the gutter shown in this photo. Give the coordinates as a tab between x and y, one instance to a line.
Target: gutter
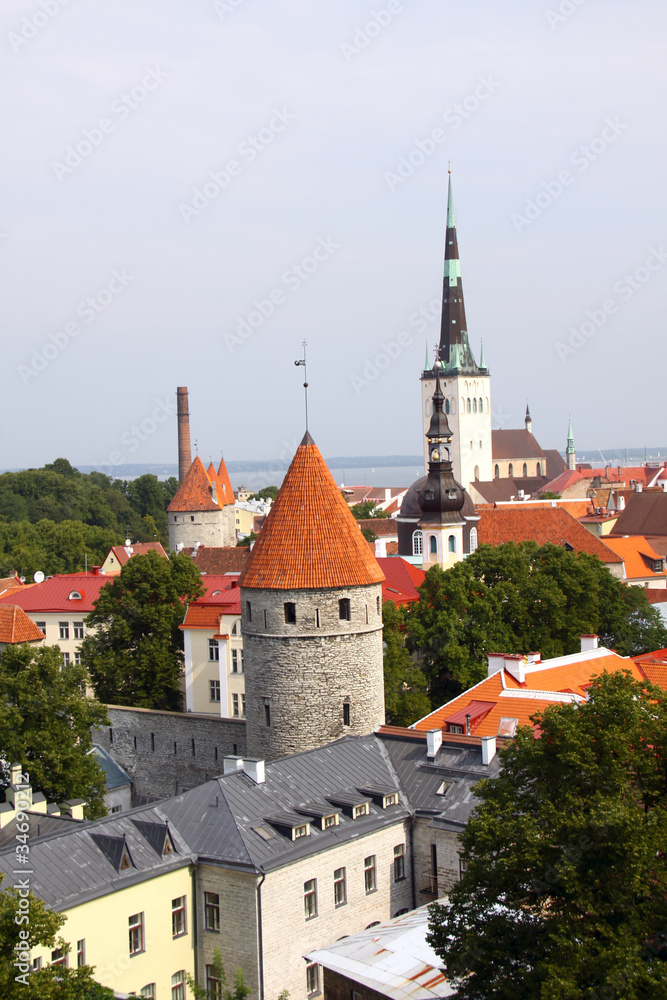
260	940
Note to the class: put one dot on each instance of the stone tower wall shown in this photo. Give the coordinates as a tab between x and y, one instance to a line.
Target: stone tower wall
208	527
305	672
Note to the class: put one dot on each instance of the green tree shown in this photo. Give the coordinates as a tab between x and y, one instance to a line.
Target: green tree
565	893
45	723
221	991
367	509
18	935
135	655
405	686
519	598
247	541
268	493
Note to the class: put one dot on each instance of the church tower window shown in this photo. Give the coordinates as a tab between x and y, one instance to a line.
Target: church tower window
525	470
474	405
446	406
451	541
473	539
434	545
510	469
476	473
468	406
417	542
496	472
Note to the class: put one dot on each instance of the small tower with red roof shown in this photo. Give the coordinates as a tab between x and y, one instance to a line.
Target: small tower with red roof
311	606
202	509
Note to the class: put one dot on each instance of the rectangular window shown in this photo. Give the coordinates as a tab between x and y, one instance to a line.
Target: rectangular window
59	957
313	979
346	713
391	800
148	992
243	706
344	612
116	809
41	626
340	890
267	713
310	898
235	661
211	911
290	613
63	628
178	927
241	661
178	985
370	874
36	964
463	867
235	706
78	630
213	650
65	659
329	821
81	953
399	862
136	923
213	984
248	610
77	659
301	831
317	617
361	810
214	690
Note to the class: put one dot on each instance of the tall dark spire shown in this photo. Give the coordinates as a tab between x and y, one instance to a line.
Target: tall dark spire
441	498
455	352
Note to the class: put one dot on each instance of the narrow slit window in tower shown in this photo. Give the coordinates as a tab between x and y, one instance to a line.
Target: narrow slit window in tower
290	613
346	713
344	612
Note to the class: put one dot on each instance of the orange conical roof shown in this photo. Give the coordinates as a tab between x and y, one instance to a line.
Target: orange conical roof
310	539
227	491
195	492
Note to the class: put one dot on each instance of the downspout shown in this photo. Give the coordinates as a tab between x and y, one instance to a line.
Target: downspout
260	941
195	924
412	861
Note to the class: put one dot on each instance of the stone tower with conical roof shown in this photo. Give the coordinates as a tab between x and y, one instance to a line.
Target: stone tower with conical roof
465	384
311	606
202	509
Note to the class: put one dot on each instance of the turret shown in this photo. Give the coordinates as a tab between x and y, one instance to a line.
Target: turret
571	456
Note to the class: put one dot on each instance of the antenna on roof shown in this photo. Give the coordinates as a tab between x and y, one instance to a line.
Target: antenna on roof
305	373
38	577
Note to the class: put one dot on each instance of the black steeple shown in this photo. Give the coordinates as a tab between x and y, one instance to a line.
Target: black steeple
441	498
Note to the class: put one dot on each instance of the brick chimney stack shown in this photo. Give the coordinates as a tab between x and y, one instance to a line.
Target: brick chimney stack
184	449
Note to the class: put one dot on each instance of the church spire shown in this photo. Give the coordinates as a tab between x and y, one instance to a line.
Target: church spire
454	328
529	421
570	451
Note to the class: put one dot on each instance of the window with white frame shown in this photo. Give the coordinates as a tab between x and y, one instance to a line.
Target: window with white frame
148	992
211	911
77	659
310	898
59	957
312	979
340	888
417	542
63	629
78	630
361	810
235	706
370	873
473	539
136	925
178	985
214	690
66	659
213	984
235	628
399	862
213	649
235	661
81	952
41	626
178	927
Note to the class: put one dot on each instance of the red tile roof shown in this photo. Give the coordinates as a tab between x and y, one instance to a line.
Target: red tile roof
225	482
196	492
15	626
637	555
53	595
222	597
401	580
656	595
542	525
310	539
123	556
380	525
513	445
219	559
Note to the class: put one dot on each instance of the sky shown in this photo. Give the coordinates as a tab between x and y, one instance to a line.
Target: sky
192	188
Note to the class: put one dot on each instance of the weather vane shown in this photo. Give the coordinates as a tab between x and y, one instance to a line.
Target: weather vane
305	374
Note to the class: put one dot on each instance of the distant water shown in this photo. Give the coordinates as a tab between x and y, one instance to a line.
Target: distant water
274	474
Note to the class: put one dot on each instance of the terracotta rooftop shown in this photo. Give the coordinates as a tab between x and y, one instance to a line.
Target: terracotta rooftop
401	580
217	559
513	445
198	489
123	553
542	525
380	525
310	539
10	583
15	626
644	514
508	488
638	557
222	597
57	593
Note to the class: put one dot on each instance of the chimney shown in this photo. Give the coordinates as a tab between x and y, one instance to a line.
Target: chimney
515	665
232	764
589	643
184	448
467	723
72	808
254	768
496	662
638	487
488	749
533	658
433	742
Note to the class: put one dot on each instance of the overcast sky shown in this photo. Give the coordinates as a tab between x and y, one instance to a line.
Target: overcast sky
128	269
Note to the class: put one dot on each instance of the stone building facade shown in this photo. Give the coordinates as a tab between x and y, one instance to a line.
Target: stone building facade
202	510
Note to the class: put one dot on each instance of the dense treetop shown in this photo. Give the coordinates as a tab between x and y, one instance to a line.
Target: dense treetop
52	518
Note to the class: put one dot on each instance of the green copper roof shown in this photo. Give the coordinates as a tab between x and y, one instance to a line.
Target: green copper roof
451	218
427	366
570	438
481	355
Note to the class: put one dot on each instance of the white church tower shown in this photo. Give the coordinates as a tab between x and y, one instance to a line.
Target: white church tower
466	385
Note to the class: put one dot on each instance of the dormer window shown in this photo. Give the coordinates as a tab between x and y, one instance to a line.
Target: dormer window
657	566
329	821
301	831
75	595
361	810
390	800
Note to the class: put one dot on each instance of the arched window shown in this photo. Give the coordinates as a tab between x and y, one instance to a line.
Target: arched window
538	470
473	539
510	469
75	595
463	405
525	470
474	405
235	628
417	542
434	545
481	405
496	472
476	474
446	406
468	406
451	542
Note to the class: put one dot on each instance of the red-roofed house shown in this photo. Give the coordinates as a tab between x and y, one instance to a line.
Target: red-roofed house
119	555
59	606
401	580
643	566
202	510
214	680
16	627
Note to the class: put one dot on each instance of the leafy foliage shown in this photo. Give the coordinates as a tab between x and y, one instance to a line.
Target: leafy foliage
135	656
361	511
405	695
51	518
268	493
247	541
52	982
519	598
45	722
565	894
240	989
